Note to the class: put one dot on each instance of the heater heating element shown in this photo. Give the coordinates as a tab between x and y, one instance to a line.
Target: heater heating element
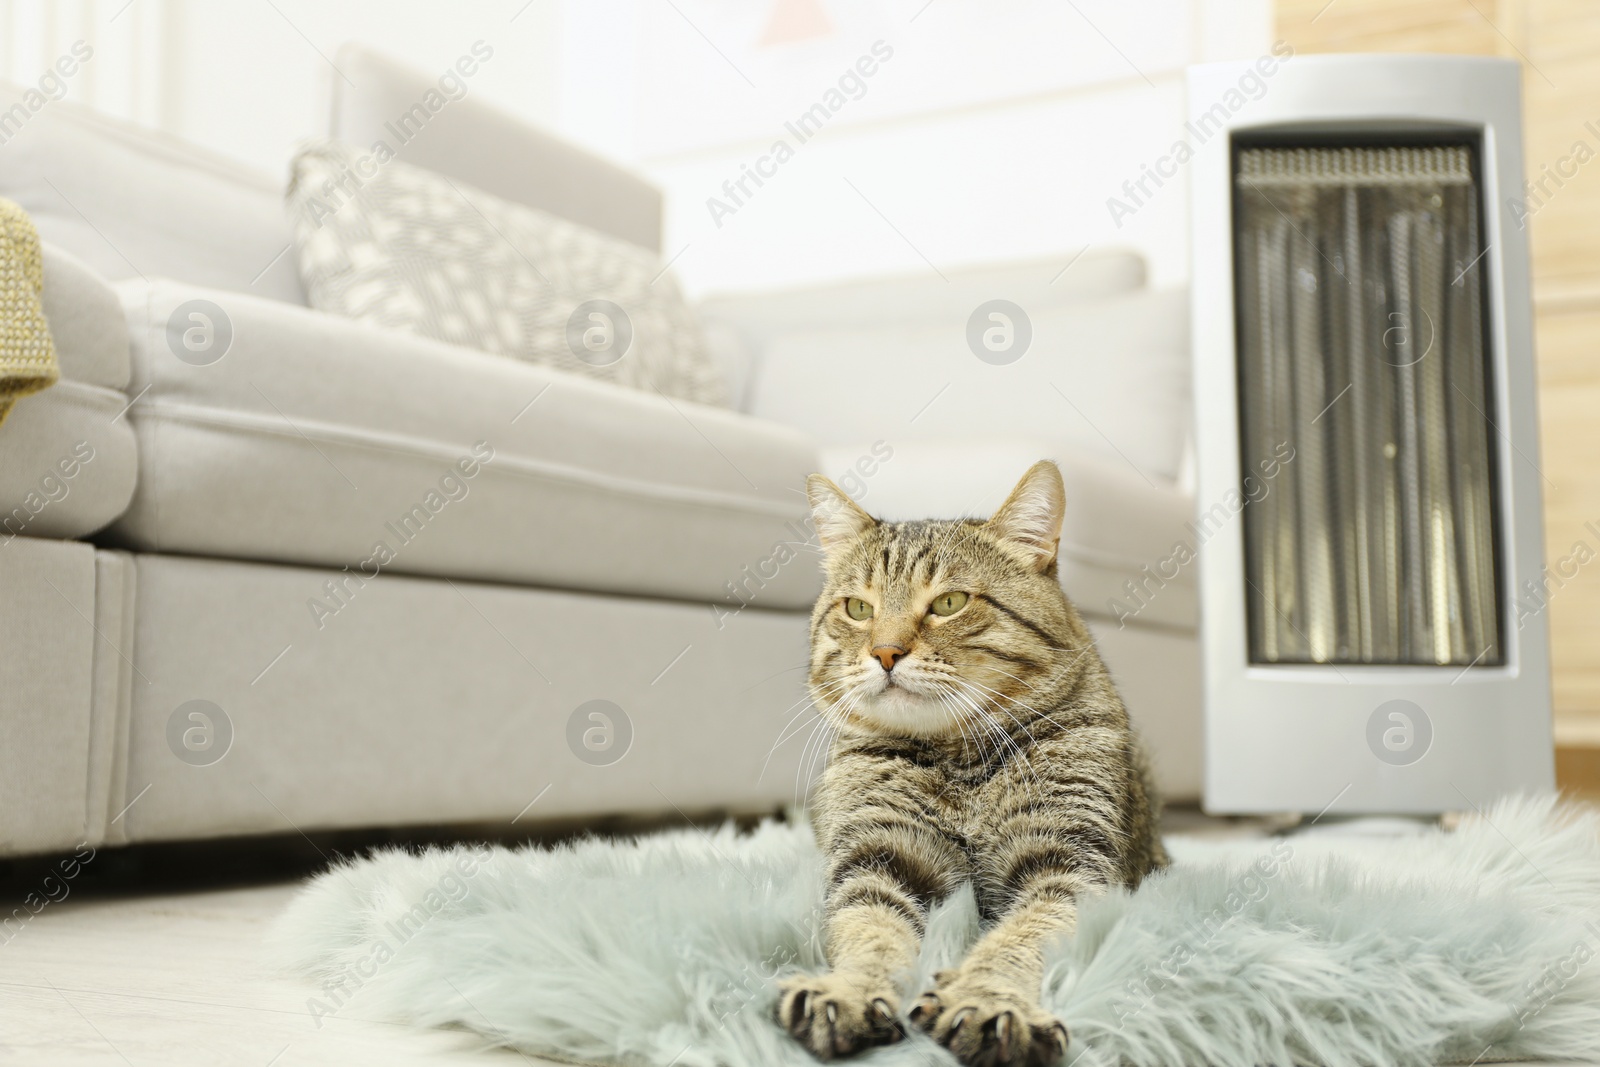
1361	331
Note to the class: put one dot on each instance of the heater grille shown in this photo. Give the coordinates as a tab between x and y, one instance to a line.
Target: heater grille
1367	445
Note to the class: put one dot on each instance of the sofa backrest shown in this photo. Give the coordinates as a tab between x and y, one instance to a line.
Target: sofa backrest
1106	371
433	120
129	201
913	299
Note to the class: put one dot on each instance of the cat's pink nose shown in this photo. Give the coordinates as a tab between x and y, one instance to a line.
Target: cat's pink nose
888	654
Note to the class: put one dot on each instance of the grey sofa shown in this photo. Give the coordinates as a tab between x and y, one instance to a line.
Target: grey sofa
306	574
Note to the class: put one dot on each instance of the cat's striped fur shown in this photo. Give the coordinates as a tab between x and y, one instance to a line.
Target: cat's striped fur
984	745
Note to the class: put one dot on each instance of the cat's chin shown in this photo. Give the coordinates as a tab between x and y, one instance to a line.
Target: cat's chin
896	711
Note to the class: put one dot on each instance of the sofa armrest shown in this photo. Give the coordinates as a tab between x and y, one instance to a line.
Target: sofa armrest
476	143
68	462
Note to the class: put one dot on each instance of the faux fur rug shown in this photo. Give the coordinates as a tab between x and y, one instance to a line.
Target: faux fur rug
1316	949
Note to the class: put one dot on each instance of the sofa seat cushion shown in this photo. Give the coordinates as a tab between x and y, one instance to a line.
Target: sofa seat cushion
1127	543
67	463
292	436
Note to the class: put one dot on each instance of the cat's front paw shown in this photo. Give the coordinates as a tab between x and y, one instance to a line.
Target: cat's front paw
987	1026
836	1015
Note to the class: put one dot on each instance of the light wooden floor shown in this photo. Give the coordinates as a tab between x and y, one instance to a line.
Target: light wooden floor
175	980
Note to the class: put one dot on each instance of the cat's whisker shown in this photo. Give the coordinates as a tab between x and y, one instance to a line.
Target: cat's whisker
1024	706
785	737
1075	653
784	732
822	735
822	752
1001	731
991	695
800	779
815	692
788	731
1016	749
779	674
977	740
812	695
1002	738
823	731
981	718
1048	682
828	693
958	716
1008	674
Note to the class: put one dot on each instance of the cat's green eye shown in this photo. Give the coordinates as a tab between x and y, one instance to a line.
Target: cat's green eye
857	609
948	603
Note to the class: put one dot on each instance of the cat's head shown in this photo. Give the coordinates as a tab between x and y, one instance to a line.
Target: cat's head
925	628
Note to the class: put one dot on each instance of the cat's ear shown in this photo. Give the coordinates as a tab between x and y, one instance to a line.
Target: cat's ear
1030	520
838	520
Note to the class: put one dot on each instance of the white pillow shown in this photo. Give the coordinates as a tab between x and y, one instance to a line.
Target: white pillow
405	248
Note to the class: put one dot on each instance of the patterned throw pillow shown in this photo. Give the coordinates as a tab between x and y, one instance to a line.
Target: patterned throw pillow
405	248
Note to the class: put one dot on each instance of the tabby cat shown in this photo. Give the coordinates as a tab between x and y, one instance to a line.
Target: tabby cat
979	739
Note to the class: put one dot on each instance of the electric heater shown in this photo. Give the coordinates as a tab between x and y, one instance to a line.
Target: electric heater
1368	490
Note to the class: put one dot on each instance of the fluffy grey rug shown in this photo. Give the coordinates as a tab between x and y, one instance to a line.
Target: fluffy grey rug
1440	947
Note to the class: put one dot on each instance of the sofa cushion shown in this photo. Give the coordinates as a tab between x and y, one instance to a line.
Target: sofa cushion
307	438
129	201
86	321
1118	529
398	246
67	463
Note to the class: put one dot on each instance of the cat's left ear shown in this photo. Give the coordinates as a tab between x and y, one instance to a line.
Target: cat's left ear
838	518
1029	522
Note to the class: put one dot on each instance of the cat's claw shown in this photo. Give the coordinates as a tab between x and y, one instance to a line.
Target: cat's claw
925	1009
835	1015
990	1030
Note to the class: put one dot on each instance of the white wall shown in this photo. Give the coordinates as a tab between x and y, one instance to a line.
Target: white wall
123	76
248	78
995	131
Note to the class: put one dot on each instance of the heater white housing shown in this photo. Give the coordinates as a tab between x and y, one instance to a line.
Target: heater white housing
1360	288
